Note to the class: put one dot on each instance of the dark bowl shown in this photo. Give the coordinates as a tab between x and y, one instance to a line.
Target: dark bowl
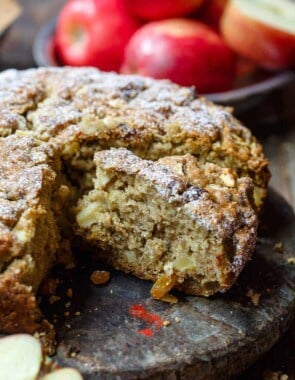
242	98
4	32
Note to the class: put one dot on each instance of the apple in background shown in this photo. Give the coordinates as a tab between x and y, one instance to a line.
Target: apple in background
184	51
262	30
211	11
161	9
94	33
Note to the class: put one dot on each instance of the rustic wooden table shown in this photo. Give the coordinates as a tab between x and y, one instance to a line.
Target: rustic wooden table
273	122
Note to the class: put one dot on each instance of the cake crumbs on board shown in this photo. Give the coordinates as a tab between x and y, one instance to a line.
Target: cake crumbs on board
100	277
278	247
254	297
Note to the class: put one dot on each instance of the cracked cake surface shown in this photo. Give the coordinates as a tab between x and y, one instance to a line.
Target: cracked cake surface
86	110
193	154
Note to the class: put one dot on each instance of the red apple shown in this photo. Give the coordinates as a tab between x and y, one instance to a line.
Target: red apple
94	33
161	9
263	31
211	11
184	51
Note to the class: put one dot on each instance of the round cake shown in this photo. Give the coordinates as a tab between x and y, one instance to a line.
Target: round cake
161	183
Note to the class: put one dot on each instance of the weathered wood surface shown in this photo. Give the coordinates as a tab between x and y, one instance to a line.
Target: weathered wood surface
274	122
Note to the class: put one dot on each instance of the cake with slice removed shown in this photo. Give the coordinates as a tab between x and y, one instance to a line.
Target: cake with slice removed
197	239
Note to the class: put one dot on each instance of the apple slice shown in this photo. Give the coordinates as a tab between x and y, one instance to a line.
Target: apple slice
262	30
20	357
63	374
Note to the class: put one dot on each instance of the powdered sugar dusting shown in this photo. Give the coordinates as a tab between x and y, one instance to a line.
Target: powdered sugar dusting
24	170
71	91
207	207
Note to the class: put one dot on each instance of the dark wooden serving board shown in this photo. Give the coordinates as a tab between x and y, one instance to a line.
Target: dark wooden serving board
215	337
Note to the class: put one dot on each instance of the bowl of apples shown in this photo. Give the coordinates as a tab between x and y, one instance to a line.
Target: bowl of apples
234	52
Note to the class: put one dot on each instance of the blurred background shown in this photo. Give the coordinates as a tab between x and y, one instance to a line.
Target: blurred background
29	37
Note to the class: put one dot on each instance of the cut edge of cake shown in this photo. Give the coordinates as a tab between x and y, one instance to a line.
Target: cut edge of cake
30	189
153	221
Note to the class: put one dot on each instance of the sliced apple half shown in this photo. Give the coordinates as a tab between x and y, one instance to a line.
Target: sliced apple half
63	374
20	357
262	30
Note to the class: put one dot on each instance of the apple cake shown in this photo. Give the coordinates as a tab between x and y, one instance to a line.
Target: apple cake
172	194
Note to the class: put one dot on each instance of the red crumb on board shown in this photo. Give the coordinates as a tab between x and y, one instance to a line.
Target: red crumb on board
146	332
139	312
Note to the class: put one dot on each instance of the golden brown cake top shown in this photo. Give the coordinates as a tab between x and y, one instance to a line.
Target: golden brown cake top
84	110
62	96
123	110
25	172
215	197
